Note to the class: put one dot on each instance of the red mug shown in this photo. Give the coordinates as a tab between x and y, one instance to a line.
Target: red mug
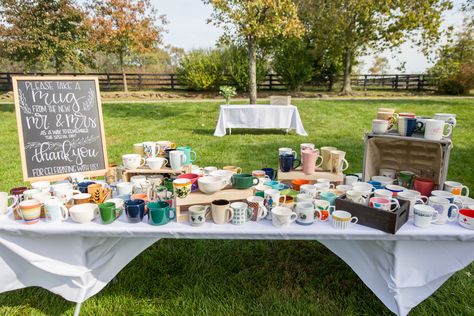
424	186
193	177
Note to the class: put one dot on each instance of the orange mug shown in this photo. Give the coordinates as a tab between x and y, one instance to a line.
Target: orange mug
299	182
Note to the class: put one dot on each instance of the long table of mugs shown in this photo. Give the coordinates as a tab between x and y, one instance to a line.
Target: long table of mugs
399	232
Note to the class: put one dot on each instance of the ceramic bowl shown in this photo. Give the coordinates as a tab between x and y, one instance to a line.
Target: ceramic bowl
384	181
211	184
226	174
155	163
84	213
466	218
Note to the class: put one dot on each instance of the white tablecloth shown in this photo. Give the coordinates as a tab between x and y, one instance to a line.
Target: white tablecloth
77	261
259	116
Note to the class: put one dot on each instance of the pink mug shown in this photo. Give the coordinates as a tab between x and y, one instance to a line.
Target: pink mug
310	157
384	203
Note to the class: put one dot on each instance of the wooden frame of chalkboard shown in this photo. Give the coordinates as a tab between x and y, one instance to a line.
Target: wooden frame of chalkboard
89	151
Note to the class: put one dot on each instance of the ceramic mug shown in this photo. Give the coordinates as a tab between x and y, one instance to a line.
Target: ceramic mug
270	172
55	211
287	151
198	214
446	117
338	162
28	194
343	219
190	155
456	188
160	213
84	213
221	211
328	196
182	188
356	197
234	169
287	162
306	146
242	213
272	200
243	181
138	149
324	208
133	161
310	158
425	215
98	193
406	126
406	179
125	188
383	180
387	172
29	211
193	178
466	218
351	179
212	184
257	205
390	205
434	129
283	216
5	206
309	189
177	159
156	163
150	149
82	186
326	154
305	213
44	186
109	212
448	212
134	210
395	189
302	197
379	126
424	186
64	192
277	185
384	193
297	183
412	198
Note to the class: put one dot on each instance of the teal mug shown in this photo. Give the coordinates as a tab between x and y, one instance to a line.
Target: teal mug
243	181
328	196
160	213
187	152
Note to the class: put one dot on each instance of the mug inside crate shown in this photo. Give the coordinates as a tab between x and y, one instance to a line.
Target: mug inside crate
425	159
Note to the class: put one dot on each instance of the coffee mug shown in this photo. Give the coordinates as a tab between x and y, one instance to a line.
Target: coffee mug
55	211
309	189
406	126
124	188
242	213
193	178
328	196
338	162
133	161
310	158
273	199
150	149
395	189
164	145
44	186
109	212
197	214
283	216
234	169
257	205
326	154
156	163
343	219
160	213
5	206
412	198
446	117
287	151
287	162
64	192
384	204
188	154
384	193
243	181
466	218
82	186
424	186
177	159
98	193
277	185
351	179
357	196
182	187
221	212
379	126
270	172
343	187
425	215
434	129
305	146
305	213
29	211
455	188
297	183
447	211
447	195
324	208
84	213
406	179
135	210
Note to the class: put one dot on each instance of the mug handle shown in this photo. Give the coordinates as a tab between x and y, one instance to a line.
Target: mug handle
264	212
195	156
295	154
172	213
354	218
64	212
419	125
454	210
467	190
435	217
419	201
239	170
230	214
207	212
320	164
293	217
320	215
19	213
396	203
299	163
142	161
450	129
15	201
165	163
158	149
424	199
255	179
347	164
284	199
249	213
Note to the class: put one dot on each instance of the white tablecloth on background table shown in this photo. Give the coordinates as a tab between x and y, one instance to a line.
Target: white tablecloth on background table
78	260
259	116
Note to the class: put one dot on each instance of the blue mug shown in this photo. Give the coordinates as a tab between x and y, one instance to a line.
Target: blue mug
287	162
82	186
270	172
406	126
135	210
276	185
377	185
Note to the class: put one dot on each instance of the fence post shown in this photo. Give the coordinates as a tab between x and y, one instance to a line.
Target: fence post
9	82
108	81
396	82
270	82
172	81
420	83
139	82
407	82
365	82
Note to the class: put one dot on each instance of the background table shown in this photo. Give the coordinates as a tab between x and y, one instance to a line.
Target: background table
259	116
76	261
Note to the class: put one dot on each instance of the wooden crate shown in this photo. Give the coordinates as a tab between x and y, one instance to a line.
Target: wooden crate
318	174
128	173
200	198
389	222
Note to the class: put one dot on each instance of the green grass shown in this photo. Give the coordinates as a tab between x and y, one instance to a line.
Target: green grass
183	277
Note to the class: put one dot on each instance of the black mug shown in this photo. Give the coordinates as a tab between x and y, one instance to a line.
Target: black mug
82	186
287	162
167	156
270	172
135	210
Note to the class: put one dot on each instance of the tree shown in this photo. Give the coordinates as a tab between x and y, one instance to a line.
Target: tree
379	66
253	22
373	24
124	28
37	32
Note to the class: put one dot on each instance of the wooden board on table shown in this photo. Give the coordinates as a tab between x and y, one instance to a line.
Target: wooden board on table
318	174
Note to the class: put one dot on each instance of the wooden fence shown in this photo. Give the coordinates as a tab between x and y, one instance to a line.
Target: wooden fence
138	81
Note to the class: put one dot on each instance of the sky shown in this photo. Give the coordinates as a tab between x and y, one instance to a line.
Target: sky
188	29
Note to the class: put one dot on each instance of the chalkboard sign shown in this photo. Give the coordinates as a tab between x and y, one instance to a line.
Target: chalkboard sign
60	126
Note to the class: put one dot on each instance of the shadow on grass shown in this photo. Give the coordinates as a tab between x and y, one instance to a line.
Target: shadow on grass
7	108
242	131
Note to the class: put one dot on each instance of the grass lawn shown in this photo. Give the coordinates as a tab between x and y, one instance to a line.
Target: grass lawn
183	277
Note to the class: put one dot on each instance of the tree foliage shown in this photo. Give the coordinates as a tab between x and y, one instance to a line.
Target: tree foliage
201	69
379	66
37	32
253	22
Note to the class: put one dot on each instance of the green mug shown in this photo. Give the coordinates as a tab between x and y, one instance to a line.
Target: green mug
109	212
243	181
160	213
406	179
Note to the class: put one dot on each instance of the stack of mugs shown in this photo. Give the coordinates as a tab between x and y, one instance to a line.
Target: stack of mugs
407	123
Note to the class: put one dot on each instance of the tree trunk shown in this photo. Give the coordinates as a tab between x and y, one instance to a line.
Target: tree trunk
346	89
252	47
124	76
56	65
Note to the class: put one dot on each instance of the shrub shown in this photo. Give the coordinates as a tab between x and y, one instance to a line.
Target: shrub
201	69
293	61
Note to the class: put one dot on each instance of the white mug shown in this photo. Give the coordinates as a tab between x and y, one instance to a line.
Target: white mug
64	192
272	199
283	216
6	207
434	129
350	180
455	188
151	149
125	188
287	151
412	198
379	126
306	213
383	193
425	215
55	211
442	206
132	161
356	197
343	219
177	159
309	189
387	172
446	117
44	186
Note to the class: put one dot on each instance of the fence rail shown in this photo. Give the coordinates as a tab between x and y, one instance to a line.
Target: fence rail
147	81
